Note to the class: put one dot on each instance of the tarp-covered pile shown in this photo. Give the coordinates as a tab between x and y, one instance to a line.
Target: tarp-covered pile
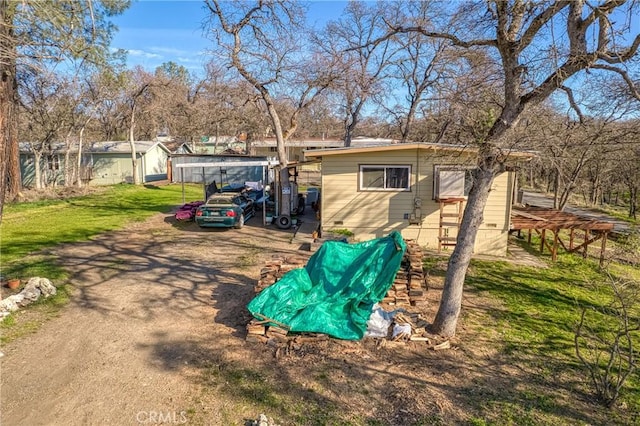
335	292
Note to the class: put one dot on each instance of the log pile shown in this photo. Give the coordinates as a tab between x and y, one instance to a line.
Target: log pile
275	268
278	337
408	290
409	287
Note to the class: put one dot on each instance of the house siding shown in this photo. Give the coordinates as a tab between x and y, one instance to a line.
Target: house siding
371	214
155	164
28	172
110	169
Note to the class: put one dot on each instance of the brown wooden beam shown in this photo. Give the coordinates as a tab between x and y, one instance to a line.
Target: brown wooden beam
571	236
603	247
587	242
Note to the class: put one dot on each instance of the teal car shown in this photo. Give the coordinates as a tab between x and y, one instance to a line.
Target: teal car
225	210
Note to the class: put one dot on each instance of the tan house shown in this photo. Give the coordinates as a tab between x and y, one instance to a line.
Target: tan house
418	189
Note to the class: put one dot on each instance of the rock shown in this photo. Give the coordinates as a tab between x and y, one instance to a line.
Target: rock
44	284
10	304
30	293
262	420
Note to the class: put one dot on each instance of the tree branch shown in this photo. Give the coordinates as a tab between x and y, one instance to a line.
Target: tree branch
617	58
573	103
452	38
625	76
540	20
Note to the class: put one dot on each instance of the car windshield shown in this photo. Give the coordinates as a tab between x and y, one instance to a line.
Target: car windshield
219	201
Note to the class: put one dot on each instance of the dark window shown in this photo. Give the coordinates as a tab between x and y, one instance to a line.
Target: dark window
385	178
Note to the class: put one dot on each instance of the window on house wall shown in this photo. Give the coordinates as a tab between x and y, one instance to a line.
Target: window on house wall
53	162
385	178
452	182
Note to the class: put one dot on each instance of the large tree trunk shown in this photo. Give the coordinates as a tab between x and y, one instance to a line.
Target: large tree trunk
285	184
449	310
6	114
10	162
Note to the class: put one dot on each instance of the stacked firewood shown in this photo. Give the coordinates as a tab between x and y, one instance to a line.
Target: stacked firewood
409	287
275	268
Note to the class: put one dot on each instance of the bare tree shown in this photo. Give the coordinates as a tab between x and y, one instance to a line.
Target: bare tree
262	41
363	63
517	31
45	109
139	83
628	169
420	67
107	89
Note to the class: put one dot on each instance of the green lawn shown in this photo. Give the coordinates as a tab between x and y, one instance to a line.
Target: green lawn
536	316
32	227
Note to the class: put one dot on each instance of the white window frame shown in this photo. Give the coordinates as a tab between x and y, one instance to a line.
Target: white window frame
362	187
466	184
53	162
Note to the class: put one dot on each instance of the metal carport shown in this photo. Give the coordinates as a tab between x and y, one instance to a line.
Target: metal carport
265	164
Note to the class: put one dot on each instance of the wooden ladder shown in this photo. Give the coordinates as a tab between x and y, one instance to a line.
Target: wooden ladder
451	210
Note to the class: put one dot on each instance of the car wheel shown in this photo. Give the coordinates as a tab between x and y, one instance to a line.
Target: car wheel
283	222
240	222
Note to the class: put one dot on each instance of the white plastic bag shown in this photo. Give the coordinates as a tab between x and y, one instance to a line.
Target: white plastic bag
401	331
378	323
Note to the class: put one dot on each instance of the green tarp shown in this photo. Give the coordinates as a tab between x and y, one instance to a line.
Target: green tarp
335	292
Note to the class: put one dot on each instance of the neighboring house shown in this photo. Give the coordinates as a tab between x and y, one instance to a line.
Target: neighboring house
103	163
110	162
214	145
51	164
176	147
417	189
296	148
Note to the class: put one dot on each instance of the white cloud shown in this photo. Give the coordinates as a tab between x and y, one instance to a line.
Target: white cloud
142	53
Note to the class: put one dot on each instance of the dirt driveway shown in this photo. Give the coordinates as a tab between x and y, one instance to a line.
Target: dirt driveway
148	305
155	334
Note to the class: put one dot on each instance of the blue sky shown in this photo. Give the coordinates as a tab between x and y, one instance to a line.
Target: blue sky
155	31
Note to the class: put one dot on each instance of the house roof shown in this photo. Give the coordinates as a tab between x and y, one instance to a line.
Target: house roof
303	143
174	146
319	153
122	147
323	143
111	147
222	163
